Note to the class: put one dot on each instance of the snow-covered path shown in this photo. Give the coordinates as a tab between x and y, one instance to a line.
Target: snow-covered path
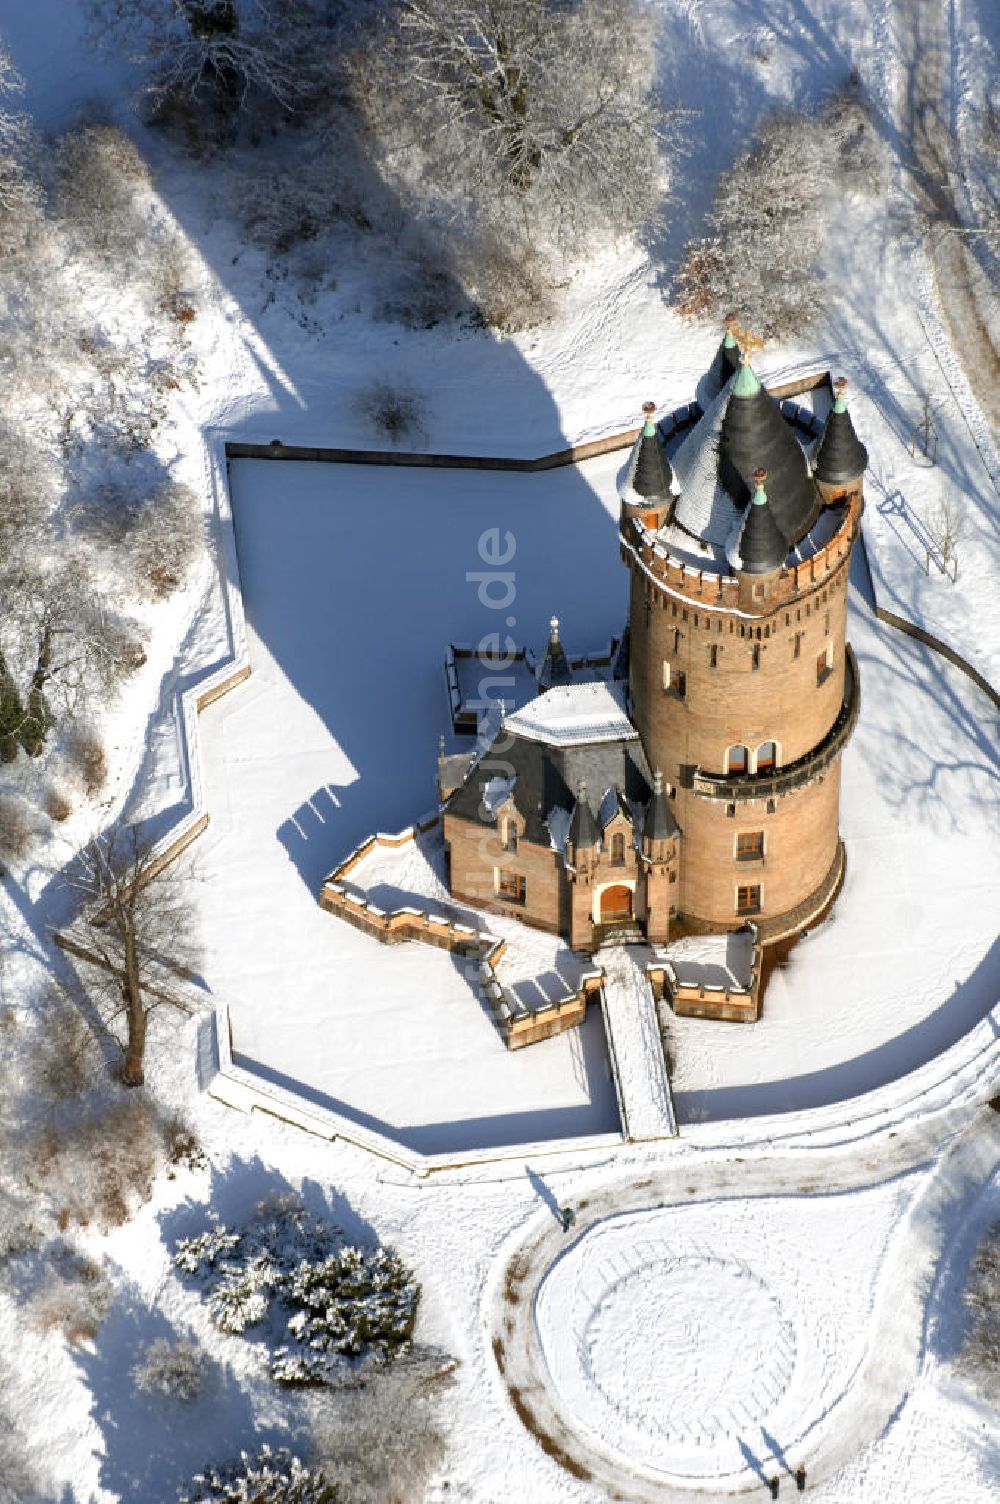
529	1340
634	1046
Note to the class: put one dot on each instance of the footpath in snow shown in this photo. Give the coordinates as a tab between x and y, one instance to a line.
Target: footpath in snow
637	1060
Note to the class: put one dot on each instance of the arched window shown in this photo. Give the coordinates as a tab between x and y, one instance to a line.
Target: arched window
737	759
617	849
767	757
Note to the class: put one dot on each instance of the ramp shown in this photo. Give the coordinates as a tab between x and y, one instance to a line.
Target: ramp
637	1061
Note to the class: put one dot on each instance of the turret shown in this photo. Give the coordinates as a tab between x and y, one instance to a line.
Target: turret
584	833
725	364
841	459
554	667
761	550
646	483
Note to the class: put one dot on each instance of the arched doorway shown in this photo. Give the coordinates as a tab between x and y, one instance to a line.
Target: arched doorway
616	904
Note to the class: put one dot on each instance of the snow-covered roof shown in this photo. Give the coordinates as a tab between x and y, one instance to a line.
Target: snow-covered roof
704	507
558	823
496	792
574	714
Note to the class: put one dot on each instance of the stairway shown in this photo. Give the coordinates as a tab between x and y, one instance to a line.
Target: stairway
626	932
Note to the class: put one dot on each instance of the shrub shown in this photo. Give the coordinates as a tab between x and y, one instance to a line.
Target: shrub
381	1440
18	829
86	756
74	1298
265	1478
979	1359
339	1303
391	410
58	805
98	1171
175	1370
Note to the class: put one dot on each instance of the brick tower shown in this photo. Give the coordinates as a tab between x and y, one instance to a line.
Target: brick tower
742	686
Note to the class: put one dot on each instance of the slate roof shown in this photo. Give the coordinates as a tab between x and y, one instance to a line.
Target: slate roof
659	824
548	777
647	477
762	543
743	429
725	364
583	828
554	668
841	456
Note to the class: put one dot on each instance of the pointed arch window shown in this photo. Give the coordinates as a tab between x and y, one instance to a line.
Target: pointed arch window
509	834
617	849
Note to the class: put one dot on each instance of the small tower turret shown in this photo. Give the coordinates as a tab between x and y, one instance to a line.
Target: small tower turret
646	483
762	548
841	459
554	667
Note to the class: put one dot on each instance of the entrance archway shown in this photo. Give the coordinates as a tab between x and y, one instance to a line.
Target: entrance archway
616	903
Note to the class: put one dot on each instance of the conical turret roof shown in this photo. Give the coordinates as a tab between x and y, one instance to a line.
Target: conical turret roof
555	667
725	364
841	456
762	543
647	478
659	824
583	828
754	434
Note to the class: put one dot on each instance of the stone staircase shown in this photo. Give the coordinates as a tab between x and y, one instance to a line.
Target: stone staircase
625	933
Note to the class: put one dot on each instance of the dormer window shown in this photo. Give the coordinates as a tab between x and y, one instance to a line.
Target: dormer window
617	849
508	834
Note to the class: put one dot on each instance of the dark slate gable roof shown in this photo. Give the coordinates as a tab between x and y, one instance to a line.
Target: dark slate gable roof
754	434
549	777
841	456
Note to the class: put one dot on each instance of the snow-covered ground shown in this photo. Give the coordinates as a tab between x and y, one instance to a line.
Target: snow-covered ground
323	746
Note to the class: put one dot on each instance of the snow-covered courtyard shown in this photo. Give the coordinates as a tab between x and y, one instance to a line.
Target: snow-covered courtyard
354	579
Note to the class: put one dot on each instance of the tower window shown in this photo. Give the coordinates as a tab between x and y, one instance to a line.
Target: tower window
617	849
737	760
674	680
713	656
767	757
797	645
510	885
755	655
748	898
824	664
750	846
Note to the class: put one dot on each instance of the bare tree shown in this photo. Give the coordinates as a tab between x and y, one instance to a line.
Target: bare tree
20	189
945	531
767	226
214	52
64	643
525	113
133	934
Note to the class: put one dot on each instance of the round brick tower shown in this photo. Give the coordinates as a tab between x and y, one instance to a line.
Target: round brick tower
742	686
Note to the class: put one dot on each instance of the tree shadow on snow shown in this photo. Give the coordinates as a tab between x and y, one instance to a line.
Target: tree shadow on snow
152	1443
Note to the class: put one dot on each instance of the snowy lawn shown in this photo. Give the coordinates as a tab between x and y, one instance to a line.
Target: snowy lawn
694	1343
354	579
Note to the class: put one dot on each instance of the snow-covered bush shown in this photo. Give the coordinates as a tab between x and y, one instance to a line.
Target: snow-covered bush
17	1481
339	1303
86	758
390	410
102	1167
175	1370
265	1478
100	173
979	1359
61	1061
19	826
770	218
157	539
381	1440
73	1298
